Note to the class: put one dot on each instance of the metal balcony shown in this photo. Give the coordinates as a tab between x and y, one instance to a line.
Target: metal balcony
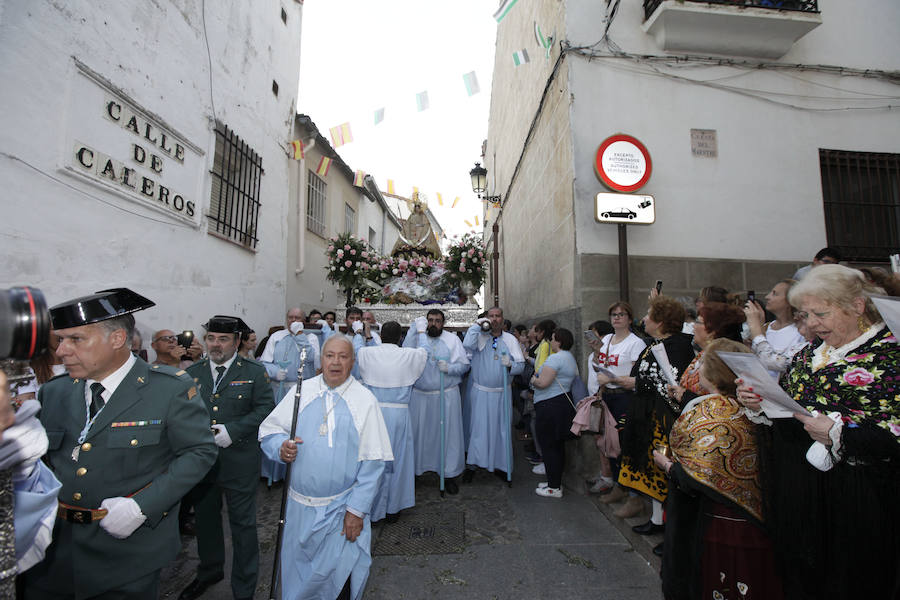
755	28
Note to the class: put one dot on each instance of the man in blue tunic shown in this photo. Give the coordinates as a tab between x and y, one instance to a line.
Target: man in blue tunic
339	451
390	372
281	355
495	356
445	355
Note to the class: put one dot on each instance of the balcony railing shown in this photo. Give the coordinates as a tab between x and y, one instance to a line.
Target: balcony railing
811	6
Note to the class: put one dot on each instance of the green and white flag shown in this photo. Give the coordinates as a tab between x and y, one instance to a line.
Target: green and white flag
544	42
471	82
520	57
504	9
379	116
422	101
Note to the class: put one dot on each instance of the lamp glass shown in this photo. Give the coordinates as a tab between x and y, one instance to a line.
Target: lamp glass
479	178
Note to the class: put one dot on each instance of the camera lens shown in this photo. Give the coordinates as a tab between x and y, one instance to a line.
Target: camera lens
24	323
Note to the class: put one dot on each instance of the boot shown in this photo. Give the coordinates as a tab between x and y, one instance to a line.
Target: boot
632	508
616	495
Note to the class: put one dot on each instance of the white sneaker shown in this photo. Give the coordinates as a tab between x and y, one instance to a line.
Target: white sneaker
549	492
539	469
602	485
542	485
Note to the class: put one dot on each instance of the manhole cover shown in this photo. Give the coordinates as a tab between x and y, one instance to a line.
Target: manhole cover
423	533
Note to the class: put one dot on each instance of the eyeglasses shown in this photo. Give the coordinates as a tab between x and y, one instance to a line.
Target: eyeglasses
165	338
618	314
804	316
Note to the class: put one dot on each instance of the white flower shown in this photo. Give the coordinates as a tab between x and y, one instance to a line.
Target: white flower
742	588
342	268
332	268
355	272
717	595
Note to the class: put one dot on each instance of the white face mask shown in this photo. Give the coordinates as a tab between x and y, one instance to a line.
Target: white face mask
296	327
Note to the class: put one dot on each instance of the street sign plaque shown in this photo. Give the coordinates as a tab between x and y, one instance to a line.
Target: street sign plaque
634	209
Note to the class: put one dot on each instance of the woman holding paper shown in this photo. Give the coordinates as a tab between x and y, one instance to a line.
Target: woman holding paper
833	479
715	543
775	342
650	413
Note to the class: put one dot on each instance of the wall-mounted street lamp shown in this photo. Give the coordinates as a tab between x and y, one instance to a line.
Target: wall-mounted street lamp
479	186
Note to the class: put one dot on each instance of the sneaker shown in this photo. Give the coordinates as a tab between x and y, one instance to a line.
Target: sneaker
602	485
534	458
542	485
539	469
549	492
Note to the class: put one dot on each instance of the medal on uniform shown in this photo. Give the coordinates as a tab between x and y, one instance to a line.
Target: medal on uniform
75	452
323	429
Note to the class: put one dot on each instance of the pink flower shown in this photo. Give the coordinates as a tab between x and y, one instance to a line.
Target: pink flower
403	265
340	253
462	268
363	265
364	254
858	377
471	251
410	275
895	429
856	357
330	248
348	263
346	246
353	251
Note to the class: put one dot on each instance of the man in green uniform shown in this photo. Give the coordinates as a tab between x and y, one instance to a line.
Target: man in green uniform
127	440
237	393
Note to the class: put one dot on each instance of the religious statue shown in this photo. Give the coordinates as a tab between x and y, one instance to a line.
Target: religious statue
416	235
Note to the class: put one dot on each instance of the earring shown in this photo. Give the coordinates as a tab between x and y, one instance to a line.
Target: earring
861	323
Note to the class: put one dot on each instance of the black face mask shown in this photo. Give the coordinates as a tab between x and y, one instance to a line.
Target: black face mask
433	331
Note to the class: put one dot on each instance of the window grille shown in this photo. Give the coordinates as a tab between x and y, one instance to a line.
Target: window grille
861	192
349	219
315	204
372	238
234	199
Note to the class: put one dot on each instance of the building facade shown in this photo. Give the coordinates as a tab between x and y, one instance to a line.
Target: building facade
770	132
145	145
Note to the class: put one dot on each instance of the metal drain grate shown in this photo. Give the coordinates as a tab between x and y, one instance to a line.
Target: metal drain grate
423	533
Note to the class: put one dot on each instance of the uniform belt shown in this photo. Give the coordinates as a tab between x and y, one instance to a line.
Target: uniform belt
434	392
316	500
77	514
478	386
393	405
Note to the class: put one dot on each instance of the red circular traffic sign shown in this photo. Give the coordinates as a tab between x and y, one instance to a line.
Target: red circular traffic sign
623	163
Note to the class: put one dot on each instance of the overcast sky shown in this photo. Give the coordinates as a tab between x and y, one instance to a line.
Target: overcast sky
359	55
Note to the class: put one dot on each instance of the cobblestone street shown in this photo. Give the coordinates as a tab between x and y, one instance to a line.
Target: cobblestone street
516	545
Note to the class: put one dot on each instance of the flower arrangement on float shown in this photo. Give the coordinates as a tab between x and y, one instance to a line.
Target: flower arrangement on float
350	260
464	263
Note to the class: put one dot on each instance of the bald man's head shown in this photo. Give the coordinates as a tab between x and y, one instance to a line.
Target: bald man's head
337	360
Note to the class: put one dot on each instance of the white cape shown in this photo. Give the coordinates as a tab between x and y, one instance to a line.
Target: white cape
390	366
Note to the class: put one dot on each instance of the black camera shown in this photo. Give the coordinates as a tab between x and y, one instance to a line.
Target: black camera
24	323
185	338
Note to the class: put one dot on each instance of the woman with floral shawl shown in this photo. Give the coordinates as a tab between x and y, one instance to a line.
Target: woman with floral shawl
832	480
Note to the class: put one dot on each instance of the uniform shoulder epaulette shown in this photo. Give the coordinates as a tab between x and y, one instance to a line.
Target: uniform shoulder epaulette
57	377
253	361
170	371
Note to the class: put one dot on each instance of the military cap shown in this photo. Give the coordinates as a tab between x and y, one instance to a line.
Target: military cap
224	324
100	306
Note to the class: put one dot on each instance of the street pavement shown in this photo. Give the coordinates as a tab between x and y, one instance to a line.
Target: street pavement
517	545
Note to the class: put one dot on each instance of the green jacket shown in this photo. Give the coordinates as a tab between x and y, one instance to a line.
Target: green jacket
244	398
152	442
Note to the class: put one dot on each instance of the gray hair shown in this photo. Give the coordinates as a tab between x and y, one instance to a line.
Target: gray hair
838	286
125	322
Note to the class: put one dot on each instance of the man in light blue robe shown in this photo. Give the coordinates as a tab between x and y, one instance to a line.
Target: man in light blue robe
281	358
445	355
496	357
355	325
390	372
338	456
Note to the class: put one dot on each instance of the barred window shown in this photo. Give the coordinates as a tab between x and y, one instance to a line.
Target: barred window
349	218
372	238
861	192
315	204
234	199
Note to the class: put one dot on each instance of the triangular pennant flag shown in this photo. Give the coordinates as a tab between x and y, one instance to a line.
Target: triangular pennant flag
504	9
341	135
454	202
324	165
471	82
297	149
415	191
390	186
543	42
466	221
476	220
422	101
359	178
440	200
379	116
520	57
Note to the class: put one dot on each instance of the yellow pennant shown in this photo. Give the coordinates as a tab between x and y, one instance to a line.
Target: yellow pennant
390	186
440	200
454	202
466	221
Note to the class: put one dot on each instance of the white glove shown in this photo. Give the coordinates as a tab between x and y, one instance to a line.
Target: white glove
223	440
421	324
23	443
280	375
123	518
443	366
482	320
296	327
357	326
505	360
322	323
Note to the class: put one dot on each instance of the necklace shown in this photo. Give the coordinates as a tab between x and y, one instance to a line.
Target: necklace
323	428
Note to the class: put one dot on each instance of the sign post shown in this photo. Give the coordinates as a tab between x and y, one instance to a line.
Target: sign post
623	164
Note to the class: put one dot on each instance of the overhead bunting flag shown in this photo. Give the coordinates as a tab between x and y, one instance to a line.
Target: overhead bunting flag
520	57
422	100
324	165
359	178
466	221
341	135
454	202
476	220
379	116
297	149
543	42
390	186
440	200
504	9
471	82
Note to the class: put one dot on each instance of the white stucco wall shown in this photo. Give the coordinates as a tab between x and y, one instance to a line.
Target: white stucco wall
70	236
761	198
